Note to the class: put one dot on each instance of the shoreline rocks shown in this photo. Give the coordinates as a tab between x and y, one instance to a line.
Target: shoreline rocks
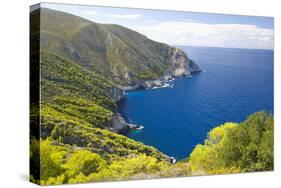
119	124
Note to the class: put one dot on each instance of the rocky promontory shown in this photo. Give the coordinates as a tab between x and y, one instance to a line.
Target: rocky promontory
179	65
119	124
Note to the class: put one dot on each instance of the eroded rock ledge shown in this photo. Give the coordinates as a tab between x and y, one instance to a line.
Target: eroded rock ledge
119	124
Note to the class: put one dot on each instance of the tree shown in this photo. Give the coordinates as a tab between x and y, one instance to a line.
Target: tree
232	148
83	161
51	157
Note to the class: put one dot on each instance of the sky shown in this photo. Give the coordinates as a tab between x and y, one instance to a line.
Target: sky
183	28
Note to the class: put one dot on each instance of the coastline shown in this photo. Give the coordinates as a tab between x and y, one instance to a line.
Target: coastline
119	124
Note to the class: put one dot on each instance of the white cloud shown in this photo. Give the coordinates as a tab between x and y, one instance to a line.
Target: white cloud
90	12
125	16
201	34
151	21
188	20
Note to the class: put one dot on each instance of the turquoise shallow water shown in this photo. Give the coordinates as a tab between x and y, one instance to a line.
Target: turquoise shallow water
234	83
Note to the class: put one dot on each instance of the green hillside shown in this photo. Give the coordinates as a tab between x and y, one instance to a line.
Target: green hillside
115	52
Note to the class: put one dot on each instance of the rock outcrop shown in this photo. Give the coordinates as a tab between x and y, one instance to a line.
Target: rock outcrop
119	124
181	64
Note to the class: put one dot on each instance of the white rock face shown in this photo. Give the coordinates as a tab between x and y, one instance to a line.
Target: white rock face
178	65
181	64
119	124
153	83
180	72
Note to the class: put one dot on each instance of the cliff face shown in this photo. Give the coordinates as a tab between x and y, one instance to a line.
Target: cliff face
181	64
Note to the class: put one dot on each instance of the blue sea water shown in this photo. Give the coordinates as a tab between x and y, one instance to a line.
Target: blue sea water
234	83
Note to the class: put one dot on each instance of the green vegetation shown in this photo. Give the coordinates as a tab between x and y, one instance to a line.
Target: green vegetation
70	93
232	148
107	144
76	108
65	78
62	163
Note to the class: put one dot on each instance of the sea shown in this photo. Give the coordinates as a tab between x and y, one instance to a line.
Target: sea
233	84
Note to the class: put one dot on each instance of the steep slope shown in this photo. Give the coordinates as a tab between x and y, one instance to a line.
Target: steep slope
115	52
76	113
76	104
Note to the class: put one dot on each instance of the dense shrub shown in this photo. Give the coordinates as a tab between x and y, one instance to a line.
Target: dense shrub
243	147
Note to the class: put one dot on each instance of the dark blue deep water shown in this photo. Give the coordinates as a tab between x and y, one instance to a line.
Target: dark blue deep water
234	83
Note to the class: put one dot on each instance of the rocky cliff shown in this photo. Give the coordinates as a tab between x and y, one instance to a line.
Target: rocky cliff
181	64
